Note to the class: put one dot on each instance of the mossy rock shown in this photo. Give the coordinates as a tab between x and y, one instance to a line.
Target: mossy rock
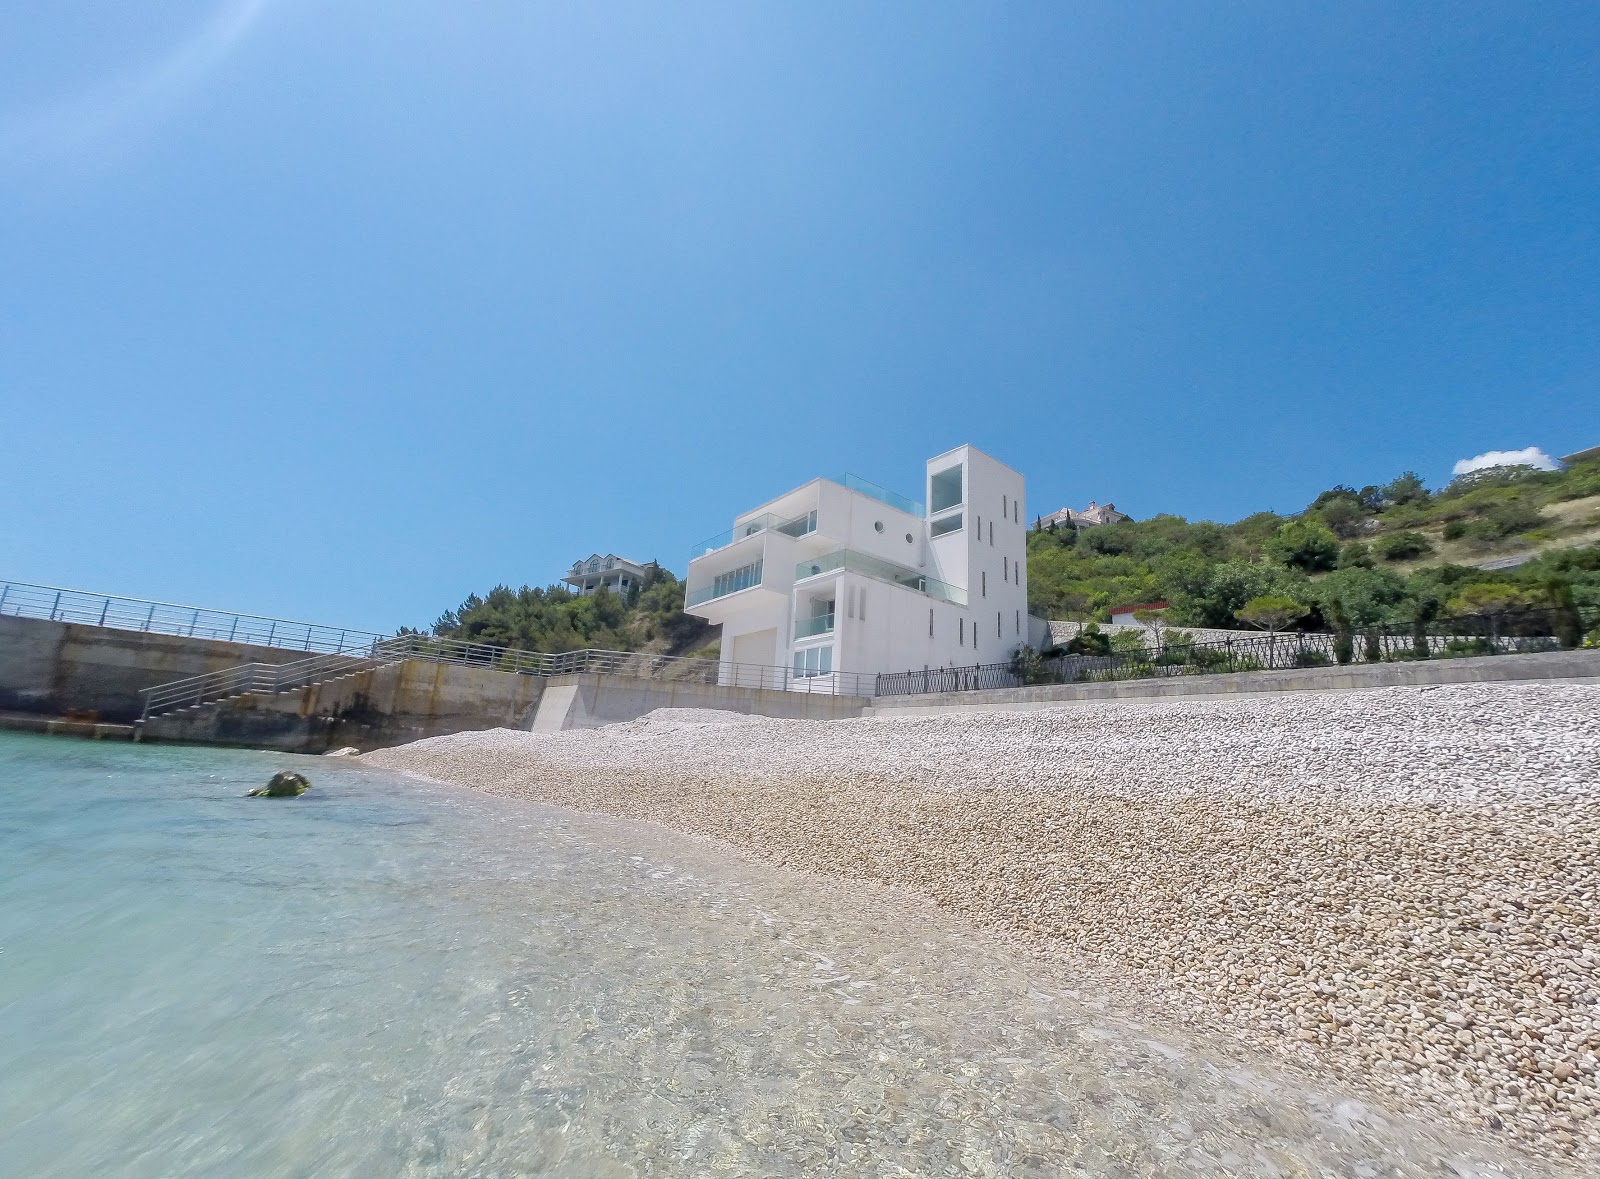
284	784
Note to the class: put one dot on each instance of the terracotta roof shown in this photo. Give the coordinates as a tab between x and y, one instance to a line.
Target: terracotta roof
1141	606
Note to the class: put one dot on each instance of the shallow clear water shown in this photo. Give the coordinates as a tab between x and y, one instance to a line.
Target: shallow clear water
392	978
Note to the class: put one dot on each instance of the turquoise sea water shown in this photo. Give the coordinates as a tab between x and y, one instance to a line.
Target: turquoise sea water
393	978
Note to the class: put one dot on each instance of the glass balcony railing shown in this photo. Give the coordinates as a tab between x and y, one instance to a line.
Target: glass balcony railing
881	494
882	570
807	628
797	527
723	584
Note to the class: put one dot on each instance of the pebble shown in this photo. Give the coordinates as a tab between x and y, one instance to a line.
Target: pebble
1400	885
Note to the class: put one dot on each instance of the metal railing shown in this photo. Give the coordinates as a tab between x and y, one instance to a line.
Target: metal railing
1526	632
262	678
57	604
272	678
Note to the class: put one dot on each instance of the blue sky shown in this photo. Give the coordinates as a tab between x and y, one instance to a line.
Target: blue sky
343	311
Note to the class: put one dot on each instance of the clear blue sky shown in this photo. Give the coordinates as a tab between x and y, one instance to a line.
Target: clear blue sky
343	311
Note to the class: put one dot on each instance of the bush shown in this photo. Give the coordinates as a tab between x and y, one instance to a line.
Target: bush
1402	546
1459	647
1310	658
1455	530
1304	545
1356	555
1372	647
1089	641
1029	667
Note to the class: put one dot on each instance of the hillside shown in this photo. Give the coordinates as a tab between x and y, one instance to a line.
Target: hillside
1382	555
556	619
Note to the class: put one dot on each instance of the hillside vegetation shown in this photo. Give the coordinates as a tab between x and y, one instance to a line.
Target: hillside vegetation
1383	556
556	619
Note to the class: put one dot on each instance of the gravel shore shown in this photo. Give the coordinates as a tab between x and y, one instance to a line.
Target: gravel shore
1398	888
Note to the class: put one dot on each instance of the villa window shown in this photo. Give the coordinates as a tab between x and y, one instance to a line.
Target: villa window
962	622
998	633
986	583
1019	622
947	525
944	489
1005	509
991	534
863	614
930	622
813	661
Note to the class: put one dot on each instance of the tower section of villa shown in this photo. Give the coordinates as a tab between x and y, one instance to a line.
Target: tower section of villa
841	575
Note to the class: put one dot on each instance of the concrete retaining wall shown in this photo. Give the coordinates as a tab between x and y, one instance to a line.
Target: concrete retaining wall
56	668
1545	665
589	701
368	710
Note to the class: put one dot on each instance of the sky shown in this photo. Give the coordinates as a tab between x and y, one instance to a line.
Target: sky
343	312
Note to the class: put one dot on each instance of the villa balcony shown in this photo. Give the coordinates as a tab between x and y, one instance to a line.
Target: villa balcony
808	628
796	527
880	570
732	582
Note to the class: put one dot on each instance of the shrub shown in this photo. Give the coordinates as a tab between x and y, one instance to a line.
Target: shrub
1311	658
1029	667
1458	647
1089	641
1455	530
1305	545
1372	647
1402	546
1356	555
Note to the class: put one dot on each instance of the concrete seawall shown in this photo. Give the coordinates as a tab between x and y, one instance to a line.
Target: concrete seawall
1547	665
53	668
368	710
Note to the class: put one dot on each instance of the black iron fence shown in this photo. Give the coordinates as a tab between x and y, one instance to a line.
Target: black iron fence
1177	654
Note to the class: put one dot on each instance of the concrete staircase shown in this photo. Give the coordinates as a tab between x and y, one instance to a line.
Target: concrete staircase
261	679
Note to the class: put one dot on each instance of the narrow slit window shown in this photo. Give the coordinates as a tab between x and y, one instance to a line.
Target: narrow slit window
1019	622
998	633
861	606
986	583
1005	509
991	534
930	622
963	631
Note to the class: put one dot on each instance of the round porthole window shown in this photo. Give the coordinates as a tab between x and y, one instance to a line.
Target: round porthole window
877	525
909	540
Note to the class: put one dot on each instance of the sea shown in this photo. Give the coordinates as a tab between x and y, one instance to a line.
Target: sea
391	977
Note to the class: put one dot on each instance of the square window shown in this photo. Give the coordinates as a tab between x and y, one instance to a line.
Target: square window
944	489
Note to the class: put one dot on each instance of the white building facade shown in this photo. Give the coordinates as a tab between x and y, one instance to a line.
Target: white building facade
843	576
617	574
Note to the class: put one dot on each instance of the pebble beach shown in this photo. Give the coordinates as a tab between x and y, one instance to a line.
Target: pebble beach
1398	889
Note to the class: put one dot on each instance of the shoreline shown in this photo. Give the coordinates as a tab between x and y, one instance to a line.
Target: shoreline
1380	888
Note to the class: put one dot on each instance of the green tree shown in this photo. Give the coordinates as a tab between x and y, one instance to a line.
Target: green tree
1407	488
1304	545
1492	601
1271	613
1402	546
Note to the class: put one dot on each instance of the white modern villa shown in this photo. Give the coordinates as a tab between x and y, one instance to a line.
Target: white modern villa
840	575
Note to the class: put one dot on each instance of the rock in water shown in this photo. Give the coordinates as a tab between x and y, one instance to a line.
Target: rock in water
347	751
284	784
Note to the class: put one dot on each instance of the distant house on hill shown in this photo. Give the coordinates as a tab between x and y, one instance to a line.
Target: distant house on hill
1091	516
617	574
1126	615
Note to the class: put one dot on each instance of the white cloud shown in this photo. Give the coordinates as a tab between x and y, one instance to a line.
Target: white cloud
108	112
1530	456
